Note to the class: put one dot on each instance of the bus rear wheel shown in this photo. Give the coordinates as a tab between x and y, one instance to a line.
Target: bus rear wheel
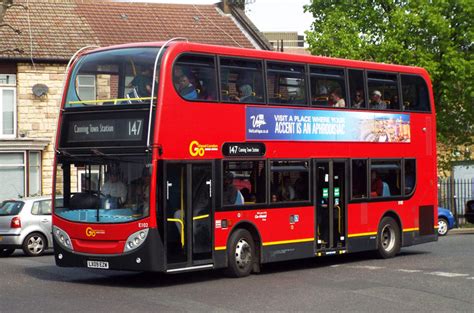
240	254
388	238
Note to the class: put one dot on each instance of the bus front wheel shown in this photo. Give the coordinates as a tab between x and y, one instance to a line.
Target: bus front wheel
240	253
388	238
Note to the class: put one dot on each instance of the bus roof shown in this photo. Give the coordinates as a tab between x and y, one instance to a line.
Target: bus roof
271	55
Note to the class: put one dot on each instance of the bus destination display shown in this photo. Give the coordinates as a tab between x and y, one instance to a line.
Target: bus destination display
243	149
130	129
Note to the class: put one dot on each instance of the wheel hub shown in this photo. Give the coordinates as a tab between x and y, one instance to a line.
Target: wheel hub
442	227
35	245
388	238
243	254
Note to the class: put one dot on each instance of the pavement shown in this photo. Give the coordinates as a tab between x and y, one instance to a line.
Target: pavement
457	231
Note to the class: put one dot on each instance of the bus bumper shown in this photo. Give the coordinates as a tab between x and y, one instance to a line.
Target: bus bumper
148	257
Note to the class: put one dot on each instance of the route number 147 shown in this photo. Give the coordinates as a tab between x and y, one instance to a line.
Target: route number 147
134	128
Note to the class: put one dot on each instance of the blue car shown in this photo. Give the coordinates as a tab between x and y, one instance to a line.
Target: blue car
445	221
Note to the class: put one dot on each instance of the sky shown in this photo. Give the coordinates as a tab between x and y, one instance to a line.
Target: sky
267	15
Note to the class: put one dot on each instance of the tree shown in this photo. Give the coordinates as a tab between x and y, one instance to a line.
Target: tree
437	35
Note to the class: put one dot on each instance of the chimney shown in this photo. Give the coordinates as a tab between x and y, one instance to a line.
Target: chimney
225	5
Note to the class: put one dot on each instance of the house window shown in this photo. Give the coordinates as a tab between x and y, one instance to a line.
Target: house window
12	171
14	168
35	173
86	88
7	109
8	79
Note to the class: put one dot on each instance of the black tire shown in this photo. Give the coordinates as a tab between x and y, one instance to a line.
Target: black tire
34	244
442	226
6	252
240	254
388	238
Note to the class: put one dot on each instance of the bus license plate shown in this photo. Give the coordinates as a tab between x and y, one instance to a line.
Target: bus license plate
98	264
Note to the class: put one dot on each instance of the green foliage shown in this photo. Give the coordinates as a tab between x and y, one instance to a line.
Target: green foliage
437	35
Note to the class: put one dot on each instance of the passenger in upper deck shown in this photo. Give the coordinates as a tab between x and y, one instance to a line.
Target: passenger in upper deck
358	100
336	98
186	89
246	94
142	82
377	102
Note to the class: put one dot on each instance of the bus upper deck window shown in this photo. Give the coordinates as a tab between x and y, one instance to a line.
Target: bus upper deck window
357	89
328	87
113	77
241	80
286	83
383	91
194	77
415	94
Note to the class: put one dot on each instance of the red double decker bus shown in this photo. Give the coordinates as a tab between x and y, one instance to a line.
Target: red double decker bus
181	156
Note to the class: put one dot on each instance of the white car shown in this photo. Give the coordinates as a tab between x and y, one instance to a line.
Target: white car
25	224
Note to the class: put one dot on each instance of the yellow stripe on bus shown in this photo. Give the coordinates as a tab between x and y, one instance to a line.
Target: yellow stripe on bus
271	243
362	234
375	233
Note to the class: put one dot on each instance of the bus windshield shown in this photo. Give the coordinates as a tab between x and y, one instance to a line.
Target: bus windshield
104	190
113	77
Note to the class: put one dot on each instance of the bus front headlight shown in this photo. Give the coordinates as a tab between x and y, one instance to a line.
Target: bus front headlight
135	240
62	238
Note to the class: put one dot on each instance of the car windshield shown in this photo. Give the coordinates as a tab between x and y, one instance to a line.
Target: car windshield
113	77
104	190
10	208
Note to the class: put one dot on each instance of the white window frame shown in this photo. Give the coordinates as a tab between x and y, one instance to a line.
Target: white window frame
4	77
40	171
94	86
25	169
2	135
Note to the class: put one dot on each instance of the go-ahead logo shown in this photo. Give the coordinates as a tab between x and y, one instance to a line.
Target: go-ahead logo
90	232
197	149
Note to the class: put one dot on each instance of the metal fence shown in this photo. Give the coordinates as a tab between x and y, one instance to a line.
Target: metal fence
453	195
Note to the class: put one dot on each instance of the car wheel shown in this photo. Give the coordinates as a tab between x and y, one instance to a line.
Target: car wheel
388	238
240	254
442	226
6	252
34	244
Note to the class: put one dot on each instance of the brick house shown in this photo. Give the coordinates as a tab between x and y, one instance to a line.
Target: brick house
44	34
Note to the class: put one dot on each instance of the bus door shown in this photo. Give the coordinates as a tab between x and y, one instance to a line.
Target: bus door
331	204
188	214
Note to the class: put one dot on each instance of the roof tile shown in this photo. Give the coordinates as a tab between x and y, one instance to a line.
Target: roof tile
61	27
